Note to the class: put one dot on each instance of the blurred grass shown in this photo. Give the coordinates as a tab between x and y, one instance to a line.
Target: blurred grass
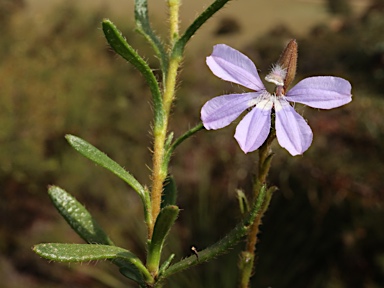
323	229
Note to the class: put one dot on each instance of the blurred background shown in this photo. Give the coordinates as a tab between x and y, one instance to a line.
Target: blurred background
58	76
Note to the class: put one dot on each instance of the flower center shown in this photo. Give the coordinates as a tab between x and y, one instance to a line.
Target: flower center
279	90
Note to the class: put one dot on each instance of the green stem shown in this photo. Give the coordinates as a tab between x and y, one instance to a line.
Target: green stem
174	20
248	255
160	132
159	169
161	156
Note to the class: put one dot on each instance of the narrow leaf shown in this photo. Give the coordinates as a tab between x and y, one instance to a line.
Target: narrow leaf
166	264
199	21
169	195
243	201
132	273
144	27
78	217
120	45
100	158
62	252
164	222
87	252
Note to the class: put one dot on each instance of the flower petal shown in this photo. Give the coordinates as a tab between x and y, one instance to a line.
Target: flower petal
292	131
323	92
254	128
222	110
231	65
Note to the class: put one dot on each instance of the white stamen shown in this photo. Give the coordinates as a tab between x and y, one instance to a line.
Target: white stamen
277	75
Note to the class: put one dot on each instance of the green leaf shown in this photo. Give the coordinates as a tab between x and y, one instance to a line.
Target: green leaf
164	222
132	273
78	217
88	252
144	27
169	195
100	158
120	45
166	264
62	252
199	21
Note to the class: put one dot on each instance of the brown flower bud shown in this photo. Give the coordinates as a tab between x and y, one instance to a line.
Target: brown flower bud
288	61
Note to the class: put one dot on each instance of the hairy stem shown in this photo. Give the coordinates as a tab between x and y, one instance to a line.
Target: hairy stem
160	133
174	20
248	255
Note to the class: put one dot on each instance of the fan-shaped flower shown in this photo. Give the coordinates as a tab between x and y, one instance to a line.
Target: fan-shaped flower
292	131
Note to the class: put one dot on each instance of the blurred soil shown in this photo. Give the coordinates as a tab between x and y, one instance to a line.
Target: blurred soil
253	17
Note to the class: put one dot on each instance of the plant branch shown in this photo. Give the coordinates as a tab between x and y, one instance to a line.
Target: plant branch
248	255
180	140
223	245
199	21
143	26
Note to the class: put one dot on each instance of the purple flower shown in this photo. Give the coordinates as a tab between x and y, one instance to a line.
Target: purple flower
292	131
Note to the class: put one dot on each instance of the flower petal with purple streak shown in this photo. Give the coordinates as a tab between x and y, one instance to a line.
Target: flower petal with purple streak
254	128
292	131
324	92
233	66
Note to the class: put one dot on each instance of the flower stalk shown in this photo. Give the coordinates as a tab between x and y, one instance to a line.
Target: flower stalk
282	75
247	256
